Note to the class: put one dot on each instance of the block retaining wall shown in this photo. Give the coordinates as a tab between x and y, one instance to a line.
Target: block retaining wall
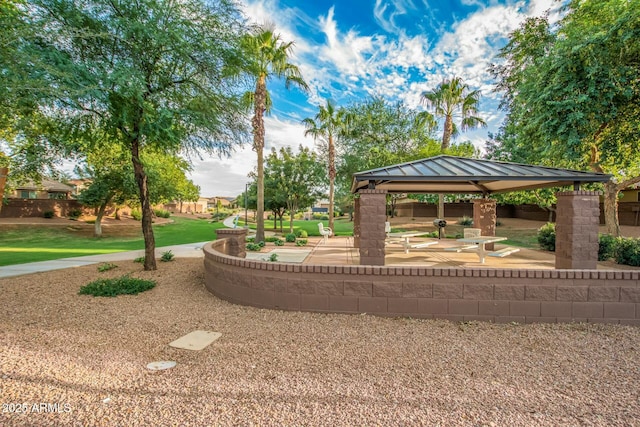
493	295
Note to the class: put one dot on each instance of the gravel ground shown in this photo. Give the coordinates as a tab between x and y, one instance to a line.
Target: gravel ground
85	359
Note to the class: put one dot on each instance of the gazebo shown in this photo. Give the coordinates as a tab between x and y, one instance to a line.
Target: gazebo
577	214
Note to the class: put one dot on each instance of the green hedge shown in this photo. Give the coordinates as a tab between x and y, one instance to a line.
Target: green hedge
625	251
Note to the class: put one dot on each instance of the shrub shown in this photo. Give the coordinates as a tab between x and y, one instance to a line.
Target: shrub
251	239
106	267
302	234
466	221
124	285
273	258
628	252
261	244
291	237
75	213
301	242
136	214
48	214
253	247
161	213
547	237
139	260
167	256
278	242
271	239
606	247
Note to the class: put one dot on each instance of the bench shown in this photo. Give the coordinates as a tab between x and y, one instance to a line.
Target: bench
503	252
422	245
461	248
325	232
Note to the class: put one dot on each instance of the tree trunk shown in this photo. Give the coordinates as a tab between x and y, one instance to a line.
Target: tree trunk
441	206
97	226
446	135
291	211
611	191
4	172
257	123
332	179
116	214
145	204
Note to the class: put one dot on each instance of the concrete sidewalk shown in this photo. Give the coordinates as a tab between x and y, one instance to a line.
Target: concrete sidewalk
189	250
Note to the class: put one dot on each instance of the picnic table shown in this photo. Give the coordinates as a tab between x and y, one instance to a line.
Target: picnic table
404	239
481	241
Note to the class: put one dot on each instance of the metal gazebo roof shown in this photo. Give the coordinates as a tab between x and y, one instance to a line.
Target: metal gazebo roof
450	174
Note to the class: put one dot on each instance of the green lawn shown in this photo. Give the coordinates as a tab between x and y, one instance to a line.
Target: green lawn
343	227
45	243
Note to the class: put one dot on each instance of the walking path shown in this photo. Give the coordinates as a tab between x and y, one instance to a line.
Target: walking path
189	250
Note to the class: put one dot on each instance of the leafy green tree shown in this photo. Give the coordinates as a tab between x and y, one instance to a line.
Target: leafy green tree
298	178
572	92
268	57
149	74
379	134
328	125
452	99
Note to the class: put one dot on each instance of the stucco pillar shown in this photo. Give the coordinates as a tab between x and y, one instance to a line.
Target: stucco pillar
372	213
356	222
236	241
577	220
484	218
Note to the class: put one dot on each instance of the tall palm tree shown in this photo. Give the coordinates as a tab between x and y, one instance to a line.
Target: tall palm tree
327	126
268	57
452	99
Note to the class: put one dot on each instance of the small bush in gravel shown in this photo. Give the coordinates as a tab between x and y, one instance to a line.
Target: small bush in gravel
547	237
48	214
301	242
271	239
278	242
254	247
167	256
606	247
261	244
302	234
273	258
139	260
106	267
124	285
291	237
466	221
628	252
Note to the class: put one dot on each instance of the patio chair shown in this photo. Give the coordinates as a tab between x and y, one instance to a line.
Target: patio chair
325	232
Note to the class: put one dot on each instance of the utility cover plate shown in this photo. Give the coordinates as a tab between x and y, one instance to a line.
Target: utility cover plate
160	366
196	340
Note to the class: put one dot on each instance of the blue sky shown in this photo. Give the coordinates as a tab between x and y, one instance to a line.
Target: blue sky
352	49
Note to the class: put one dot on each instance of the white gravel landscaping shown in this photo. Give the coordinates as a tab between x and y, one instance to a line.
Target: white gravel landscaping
69	359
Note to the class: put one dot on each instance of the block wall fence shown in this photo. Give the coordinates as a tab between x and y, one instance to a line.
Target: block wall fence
493	295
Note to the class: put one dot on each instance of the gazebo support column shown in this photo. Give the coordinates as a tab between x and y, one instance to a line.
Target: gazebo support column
484	218
372	215
577	220
356	222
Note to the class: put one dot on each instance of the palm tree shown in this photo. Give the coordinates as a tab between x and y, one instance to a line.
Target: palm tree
452	99
268	57
327	126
